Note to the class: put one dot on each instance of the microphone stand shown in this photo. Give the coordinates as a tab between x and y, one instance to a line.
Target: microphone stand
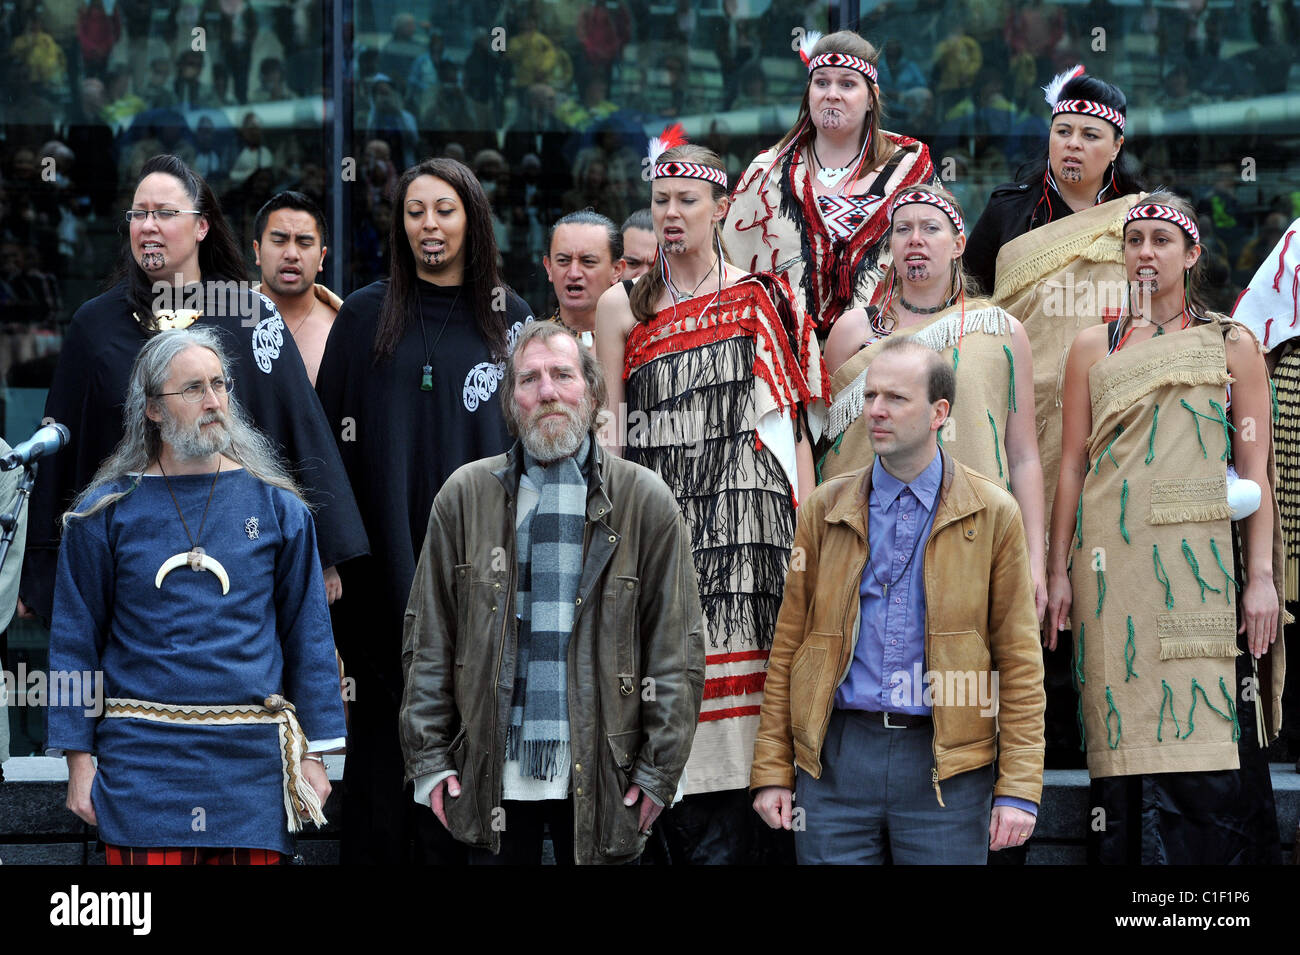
9	520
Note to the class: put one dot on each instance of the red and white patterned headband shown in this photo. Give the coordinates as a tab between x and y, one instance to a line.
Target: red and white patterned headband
907	198
1152	210
845	60
690	170
1091	108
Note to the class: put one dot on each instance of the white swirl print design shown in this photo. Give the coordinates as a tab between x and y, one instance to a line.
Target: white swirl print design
268	337
482	380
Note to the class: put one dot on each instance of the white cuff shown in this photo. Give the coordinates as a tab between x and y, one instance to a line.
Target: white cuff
425	784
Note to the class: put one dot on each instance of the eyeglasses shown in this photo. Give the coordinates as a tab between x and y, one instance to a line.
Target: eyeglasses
196	392
159	215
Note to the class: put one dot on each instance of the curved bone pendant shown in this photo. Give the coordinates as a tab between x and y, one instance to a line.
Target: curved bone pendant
198	561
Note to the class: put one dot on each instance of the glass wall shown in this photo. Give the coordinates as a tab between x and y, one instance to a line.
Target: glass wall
92	89
551	102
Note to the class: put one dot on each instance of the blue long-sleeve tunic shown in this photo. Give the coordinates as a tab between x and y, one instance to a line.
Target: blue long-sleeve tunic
163	784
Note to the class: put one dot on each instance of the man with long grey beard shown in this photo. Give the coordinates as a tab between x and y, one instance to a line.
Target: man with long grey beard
189	592
553	651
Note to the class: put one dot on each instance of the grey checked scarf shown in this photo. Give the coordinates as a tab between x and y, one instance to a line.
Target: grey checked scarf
549	549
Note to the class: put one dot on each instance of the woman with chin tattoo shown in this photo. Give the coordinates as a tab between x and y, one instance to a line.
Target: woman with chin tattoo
926	294
1047	247
409	383
1166	552
181	265
813	207
710	374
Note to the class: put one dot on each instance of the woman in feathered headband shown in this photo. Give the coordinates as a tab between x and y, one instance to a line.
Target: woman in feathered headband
1047	249
813	206
719	369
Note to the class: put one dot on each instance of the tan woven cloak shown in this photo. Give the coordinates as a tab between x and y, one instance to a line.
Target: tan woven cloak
1057	280
1155	598
976	433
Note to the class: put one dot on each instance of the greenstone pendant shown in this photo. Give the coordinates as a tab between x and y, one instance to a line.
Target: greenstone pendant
426	379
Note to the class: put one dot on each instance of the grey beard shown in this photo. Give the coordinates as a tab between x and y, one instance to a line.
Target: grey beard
195	444
548	448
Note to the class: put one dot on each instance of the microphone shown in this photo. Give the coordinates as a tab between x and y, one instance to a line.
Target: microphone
44	442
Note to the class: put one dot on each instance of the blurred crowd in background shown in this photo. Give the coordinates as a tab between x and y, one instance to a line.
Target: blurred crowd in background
551	102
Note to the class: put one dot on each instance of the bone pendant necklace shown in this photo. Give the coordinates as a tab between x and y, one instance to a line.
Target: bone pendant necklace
196	557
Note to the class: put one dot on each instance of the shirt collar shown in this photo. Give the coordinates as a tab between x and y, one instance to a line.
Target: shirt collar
925	486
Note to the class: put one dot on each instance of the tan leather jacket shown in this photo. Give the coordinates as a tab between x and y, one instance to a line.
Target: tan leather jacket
635	663
980	618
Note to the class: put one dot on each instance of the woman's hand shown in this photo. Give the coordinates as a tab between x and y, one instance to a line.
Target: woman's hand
1259	613
1060	596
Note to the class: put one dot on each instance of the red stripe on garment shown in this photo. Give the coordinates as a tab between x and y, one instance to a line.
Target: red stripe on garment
716	658
710	715
735	685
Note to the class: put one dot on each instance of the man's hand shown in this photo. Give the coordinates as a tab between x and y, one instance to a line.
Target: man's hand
448	787
1010	827
333	584
775	804
313	770
24	612
649	808
81	775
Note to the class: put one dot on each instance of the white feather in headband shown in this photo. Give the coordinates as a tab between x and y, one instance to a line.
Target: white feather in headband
1053	89
674	135
806	44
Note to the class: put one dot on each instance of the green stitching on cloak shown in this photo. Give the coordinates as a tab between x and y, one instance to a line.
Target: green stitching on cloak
1151	441
1227	594
1167	697
1123	505
1130	653
1011	399
1196	570
1160	569
1119	724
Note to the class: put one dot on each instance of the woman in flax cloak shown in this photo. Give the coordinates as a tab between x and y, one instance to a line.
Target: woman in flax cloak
1160	408
924	295
1047	249
813	207
717	369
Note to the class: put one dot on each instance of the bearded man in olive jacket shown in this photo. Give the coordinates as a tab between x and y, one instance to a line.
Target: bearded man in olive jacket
553	651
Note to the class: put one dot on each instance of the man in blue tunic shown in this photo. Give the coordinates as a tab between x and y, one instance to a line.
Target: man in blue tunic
189	583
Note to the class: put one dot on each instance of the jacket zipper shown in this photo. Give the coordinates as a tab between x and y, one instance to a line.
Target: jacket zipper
506	602
934	735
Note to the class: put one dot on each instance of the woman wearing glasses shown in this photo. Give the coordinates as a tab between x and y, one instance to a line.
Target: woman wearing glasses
180	266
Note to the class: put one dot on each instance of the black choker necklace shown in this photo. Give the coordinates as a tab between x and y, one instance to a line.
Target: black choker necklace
925	311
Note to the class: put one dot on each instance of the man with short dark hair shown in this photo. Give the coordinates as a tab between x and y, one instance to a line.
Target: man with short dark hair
553	650
902	670
584	258
290	249
639	244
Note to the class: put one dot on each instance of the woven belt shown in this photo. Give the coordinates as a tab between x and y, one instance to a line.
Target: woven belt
300	800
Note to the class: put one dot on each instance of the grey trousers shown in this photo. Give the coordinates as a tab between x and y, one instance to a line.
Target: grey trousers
876	786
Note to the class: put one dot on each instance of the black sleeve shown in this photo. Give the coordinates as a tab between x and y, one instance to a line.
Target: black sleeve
995	227
283	404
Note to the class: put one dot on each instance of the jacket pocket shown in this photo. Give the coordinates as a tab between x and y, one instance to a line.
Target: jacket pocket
619	834
627	590
464	821
811	683
963	686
